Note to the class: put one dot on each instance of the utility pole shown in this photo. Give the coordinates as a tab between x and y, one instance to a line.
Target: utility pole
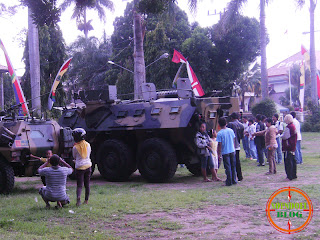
313	67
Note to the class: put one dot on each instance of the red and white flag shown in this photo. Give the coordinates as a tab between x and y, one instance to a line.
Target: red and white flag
195	84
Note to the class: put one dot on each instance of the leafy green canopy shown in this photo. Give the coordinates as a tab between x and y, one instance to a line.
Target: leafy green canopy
218	58
44	12
52	56
266	107
89	64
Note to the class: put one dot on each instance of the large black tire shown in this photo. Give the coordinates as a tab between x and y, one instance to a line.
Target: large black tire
115	160
195	168
157	161
6	177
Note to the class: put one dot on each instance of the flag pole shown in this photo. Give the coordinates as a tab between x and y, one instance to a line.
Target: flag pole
290	86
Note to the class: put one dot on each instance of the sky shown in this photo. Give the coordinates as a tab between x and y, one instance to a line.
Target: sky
285	24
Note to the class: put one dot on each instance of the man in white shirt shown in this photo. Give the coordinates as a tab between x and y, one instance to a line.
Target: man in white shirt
245	140
279	126
298	154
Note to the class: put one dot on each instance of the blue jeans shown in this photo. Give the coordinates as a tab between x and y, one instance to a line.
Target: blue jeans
253	149
245	143
278	155
205	161
229	163
298	154
260	151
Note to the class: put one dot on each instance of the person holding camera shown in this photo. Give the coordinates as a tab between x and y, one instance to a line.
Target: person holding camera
56	180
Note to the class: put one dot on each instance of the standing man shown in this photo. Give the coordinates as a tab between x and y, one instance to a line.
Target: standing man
252	145
245	140
279	126
259	140
238	129
298	154
289	141
271	144
226	142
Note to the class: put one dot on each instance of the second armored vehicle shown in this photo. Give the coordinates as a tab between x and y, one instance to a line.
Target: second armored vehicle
152	135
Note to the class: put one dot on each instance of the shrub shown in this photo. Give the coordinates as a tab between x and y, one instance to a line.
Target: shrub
312	122
266	107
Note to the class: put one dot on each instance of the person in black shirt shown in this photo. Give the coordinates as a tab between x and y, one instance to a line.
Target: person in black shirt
238	130
259	140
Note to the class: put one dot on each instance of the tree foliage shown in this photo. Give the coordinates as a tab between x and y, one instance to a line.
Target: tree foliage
216	59
220	61
52	56
44	12
89	63
266	107
80	11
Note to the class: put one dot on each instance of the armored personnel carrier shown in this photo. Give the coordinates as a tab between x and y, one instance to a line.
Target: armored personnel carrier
152	135
21	137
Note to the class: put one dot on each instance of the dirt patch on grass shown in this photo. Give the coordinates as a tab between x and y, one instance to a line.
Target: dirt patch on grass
211	222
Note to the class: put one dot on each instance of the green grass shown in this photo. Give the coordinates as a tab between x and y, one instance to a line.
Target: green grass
132	209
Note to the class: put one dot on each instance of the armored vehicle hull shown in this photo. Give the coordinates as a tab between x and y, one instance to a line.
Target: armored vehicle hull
20	138
152	135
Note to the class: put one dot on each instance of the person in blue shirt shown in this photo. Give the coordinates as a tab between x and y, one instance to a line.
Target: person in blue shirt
226	149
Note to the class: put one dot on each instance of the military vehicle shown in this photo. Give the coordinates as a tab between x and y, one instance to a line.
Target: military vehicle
152	135
21	137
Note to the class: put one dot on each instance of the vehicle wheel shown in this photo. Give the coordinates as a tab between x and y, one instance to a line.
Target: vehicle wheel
195	169
115	160
6	177
157	161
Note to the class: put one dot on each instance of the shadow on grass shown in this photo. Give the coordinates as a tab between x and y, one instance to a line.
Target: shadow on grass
24	190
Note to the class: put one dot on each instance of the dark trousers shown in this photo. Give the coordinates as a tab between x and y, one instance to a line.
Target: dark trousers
238	166
260	153
290	165
230	168
83	177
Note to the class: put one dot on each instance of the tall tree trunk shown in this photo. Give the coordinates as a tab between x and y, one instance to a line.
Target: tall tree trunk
263	49
138	54
313	67
34	58
1	92
85	29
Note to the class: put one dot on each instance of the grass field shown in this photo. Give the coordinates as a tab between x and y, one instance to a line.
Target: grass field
184	208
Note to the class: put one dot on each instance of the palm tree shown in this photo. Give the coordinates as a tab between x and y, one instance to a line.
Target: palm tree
233	9
249	81
80	11
138	35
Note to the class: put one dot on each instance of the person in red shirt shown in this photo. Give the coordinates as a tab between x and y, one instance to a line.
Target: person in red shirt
289	142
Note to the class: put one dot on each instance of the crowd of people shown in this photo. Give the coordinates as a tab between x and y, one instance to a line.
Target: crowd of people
261	138
55	170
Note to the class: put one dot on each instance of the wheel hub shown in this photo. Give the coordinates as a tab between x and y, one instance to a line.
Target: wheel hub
111	160
153	160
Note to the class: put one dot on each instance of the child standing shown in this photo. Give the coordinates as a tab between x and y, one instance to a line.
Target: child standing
81	153
226	143
202	141
214	146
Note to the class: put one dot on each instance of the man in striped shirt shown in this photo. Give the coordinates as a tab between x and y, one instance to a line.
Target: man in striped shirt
56	179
